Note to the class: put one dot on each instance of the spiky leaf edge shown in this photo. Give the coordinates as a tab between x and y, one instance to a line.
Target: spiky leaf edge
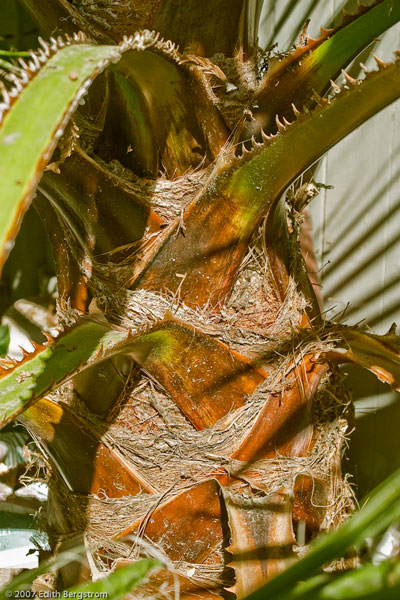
248	183
42	74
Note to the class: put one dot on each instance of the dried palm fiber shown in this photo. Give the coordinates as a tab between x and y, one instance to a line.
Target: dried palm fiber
167	444
152	435
149	432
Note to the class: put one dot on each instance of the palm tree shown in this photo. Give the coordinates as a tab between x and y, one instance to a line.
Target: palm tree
191	403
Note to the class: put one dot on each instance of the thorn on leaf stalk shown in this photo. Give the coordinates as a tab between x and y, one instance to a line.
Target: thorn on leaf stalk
319	99
6	96
335	86
48	337
265	137
325	32
45	46
349	78
296	111
280	126
35	59
23	64
53	44
380	62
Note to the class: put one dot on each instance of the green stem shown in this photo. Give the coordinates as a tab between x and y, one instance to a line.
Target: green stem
14	53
